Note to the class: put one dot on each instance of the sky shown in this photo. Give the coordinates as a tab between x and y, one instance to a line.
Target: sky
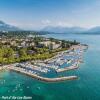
36	14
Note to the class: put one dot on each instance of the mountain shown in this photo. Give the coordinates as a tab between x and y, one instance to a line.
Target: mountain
95	30
59	29
7	27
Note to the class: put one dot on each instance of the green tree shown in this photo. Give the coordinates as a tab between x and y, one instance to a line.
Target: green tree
23	54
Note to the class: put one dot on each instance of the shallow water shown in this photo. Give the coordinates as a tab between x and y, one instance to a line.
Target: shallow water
87	87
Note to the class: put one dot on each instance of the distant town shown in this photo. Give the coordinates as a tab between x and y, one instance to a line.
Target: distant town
15	48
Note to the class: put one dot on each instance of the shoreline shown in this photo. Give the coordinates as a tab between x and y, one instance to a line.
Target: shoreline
58	79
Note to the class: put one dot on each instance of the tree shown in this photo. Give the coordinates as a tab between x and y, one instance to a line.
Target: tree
23	54
1	55
10	55
63	43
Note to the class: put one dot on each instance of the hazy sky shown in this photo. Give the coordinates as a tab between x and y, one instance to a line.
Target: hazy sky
35	14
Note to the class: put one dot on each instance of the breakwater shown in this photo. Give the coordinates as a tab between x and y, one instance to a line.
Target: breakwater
76	66
67	68
43	78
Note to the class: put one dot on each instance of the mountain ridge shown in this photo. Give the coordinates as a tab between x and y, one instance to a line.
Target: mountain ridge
74	29
59	29
54	29
8	27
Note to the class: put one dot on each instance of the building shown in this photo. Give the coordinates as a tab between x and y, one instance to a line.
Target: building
51	45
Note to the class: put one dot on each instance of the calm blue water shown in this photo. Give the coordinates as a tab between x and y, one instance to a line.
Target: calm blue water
87	87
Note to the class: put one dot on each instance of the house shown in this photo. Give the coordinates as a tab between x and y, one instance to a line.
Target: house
32	44
23	44
51	45
16	55
13	43
30	52
45	43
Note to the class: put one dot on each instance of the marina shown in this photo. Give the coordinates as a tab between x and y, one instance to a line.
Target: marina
63	61
43	78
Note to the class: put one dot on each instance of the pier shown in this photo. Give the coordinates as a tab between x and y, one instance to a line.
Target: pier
67	68
43	78
76	66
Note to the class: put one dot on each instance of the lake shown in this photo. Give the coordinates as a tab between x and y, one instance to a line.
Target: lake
87	87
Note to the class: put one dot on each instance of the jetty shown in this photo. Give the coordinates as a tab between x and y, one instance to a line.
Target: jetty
59	79
75	66
67	68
